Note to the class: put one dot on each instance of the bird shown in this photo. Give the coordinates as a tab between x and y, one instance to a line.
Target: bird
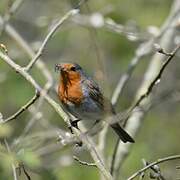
82	97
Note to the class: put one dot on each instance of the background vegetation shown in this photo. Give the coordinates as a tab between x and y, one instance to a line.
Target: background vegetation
105	54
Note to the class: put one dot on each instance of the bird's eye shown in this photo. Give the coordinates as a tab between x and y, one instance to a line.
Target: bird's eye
73	68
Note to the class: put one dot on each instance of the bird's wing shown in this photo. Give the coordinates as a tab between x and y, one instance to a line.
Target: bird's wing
94	92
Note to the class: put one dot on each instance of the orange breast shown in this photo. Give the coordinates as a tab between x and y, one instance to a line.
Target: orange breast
71	91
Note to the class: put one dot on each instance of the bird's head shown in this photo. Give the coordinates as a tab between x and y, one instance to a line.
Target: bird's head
69	72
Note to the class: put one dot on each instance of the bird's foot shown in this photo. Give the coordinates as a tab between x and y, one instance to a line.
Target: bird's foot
74	123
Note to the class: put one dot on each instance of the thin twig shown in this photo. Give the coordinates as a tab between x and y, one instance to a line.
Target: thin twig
4	48
23	108
10	12
40	65
148	91
100	63
158	76
114	156
35	112
102	141
49	35
80	3
159	161
13	166
83	162
155	169
15	6
142	50
110	25
94	153
136	117
26	47
25	172
29	78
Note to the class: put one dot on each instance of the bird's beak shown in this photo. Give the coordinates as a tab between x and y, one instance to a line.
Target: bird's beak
59	67
62	69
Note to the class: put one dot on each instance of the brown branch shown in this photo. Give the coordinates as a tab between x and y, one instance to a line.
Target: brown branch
49	35
23	108
159	161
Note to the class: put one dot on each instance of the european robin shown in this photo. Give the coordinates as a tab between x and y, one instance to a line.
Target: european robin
81	96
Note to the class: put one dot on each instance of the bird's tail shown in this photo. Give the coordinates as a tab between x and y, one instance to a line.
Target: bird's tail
123	135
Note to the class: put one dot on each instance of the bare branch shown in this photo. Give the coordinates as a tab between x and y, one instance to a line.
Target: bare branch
158	76
102	141
15	6
94	153
155	169
40	65
25	172
4	48
23	108
13	166
135	120
83	162
49	35
26	47
81	2
114	156
148	91
159	161
10	12
142	50
110	25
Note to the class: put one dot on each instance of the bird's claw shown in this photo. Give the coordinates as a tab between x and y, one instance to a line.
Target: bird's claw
74	123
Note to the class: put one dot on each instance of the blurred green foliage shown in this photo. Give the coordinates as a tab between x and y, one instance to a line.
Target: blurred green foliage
159	134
